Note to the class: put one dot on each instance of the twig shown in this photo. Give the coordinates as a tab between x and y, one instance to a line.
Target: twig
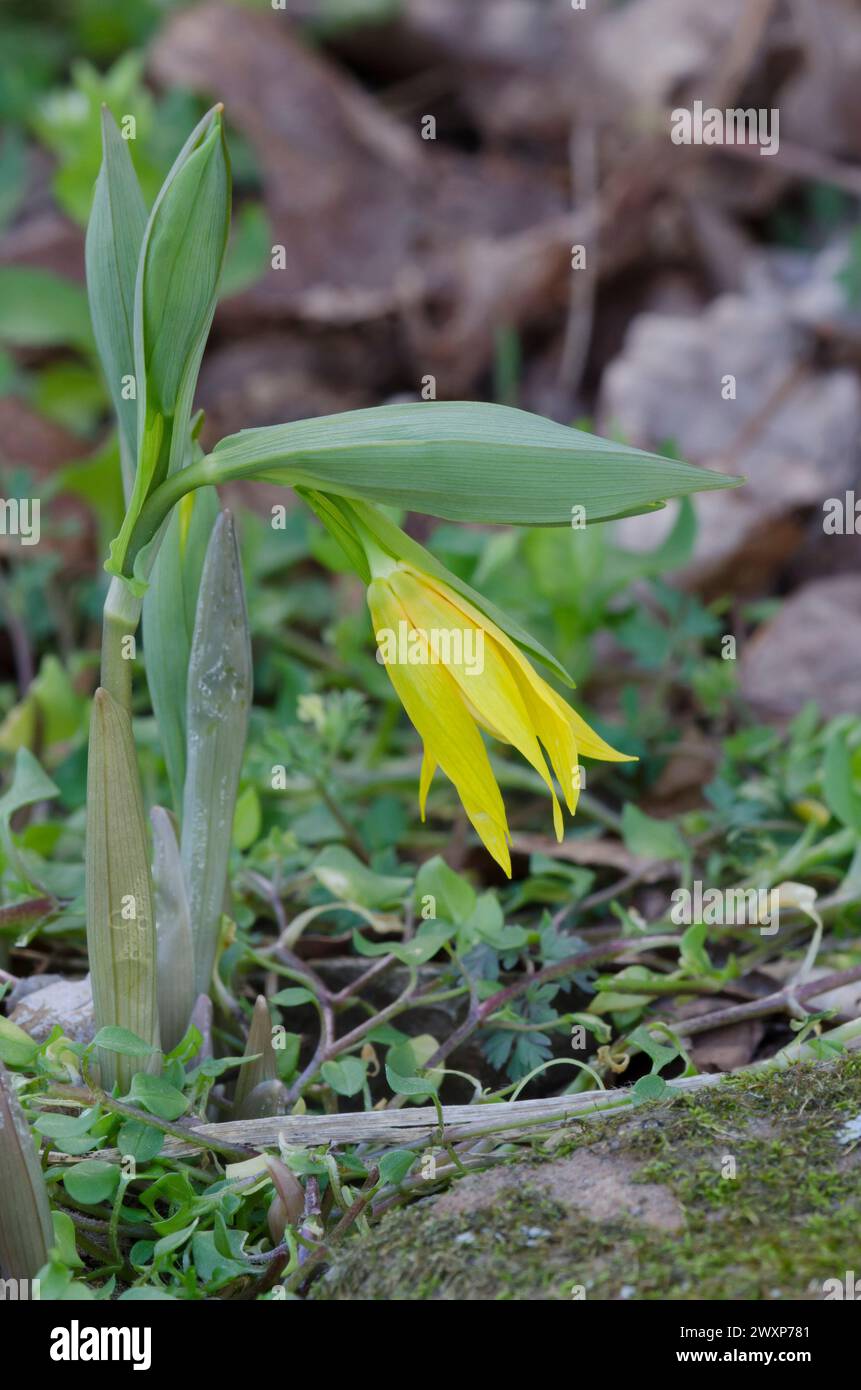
759	1008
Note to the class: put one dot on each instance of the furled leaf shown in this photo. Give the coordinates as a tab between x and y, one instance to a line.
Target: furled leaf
175	948
114	236
220	679
175	296
26	1233
258	1046
121	940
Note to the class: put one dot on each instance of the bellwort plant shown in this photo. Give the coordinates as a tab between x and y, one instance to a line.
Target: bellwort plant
155	903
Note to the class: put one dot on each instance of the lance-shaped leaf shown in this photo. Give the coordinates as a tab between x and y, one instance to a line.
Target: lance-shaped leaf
462	460
26	1232
114	236
259	1046
121	939
175	296
169	611
220	682
173	930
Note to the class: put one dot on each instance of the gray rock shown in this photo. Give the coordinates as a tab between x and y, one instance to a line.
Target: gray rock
66	1003
793	433
809	651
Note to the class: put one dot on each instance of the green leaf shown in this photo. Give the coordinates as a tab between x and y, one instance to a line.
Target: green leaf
650	1087
408	1057
454	898
30	785
146	1293
464	461
123	1042
844	799
649	838
214	1067
410	1085
487	924
91	1181
346	1077
693	952
114	237
65	1246
17	1048
66	1126
172	1242
661	1054
14	173
249	250
395	1165
676	549
156	1095
41	310
292	998
247	818
71	394
212	1267
428	940
141	1142
348	879
97	479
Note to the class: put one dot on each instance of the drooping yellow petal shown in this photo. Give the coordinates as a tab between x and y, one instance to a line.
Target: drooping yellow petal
432	701
425	779
491	690
555	733
564	733
589	742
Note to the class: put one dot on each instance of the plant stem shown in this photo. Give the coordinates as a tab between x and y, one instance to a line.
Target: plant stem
161	500
121	616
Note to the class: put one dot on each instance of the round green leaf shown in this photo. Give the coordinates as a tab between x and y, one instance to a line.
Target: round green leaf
92	1181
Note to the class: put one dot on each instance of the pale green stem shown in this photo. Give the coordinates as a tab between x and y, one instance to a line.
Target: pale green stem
121	616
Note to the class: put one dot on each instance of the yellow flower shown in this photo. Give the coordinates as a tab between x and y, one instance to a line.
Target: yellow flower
454	670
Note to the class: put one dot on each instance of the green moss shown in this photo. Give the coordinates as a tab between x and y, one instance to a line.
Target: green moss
785	1222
